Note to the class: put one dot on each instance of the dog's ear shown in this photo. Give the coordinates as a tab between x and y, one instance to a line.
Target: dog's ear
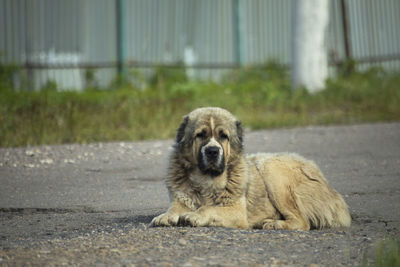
181	130
239	133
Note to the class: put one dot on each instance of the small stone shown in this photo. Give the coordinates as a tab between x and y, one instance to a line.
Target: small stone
182	242
29	165
30	153
198	259
46	161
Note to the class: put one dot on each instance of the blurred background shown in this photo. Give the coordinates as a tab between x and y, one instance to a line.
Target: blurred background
133	58
61	39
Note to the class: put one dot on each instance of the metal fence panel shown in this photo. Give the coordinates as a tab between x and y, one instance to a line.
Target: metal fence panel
60	39
374	32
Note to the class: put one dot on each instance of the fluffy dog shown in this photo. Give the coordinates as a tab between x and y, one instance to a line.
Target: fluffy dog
211	182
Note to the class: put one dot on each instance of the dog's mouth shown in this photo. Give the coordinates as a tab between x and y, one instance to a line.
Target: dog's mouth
211	165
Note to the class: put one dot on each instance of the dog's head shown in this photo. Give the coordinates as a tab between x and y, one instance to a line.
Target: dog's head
210	138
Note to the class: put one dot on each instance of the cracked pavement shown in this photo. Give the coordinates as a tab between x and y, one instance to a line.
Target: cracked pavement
91	204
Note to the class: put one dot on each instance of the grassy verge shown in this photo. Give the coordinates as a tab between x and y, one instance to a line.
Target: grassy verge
387	254
260	98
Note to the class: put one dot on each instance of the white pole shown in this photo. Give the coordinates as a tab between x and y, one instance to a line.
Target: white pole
309	56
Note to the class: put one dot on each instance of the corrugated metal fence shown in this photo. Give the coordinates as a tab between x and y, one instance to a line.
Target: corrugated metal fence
59	39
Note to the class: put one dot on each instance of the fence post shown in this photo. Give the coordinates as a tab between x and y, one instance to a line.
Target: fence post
238	30
347	64
121	37
345	23
28	37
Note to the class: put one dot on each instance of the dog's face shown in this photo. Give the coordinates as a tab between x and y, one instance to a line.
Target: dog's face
209	138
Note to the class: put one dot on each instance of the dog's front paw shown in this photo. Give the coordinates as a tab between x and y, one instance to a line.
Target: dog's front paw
192	219
272	224
165	219
285	225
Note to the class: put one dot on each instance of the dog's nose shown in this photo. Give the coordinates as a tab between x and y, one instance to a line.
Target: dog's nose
212	152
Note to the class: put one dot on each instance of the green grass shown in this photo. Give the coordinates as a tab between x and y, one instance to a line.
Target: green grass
387	254
261	98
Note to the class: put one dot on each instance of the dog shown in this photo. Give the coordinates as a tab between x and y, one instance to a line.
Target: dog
212	183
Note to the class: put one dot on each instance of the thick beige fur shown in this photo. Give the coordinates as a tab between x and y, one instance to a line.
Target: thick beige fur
268	191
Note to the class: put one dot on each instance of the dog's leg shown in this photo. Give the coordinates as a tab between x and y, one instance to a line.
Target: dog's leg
223	216
171	217
288	207
292	223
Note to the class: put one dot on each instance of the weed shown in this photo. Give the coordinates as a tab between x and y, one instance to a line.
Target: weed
387	253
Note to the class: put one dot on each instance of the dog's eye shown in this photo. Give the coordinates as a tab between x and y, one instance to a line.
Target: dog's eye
223	135
201	135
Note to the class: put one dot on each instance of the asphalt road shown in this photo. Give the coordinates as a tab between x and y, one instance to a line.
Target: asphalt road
91	204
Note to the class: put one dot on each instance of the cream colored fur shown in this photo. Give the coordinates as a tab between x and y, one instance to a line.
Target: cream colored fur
268	191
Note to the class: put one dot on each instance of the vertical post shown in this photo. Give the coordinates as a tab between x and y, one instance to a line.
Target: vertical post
28	40
345	23
309	57
121	37
238	30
